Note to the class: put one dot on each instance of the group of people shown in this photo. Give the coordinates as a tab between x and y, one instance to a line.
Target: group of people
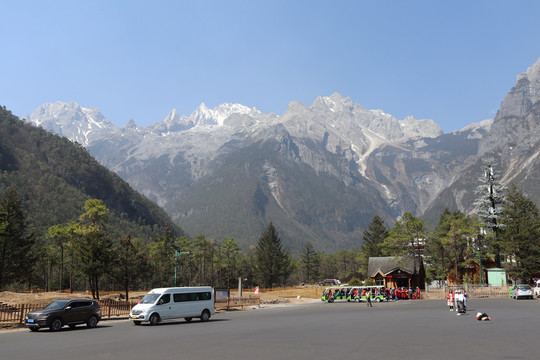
457	300
369	293
405	293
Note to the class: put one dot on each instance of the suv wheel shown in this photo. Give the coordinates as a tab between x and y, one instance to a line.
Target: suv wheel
34	328
92	322
56	324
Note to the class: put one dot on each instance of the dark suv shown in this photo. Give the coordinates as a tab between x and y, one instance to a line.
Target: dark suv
65	312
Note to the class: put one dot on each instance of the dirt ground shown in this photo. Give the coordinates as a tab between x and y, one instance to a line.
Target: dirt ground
292	296
15	298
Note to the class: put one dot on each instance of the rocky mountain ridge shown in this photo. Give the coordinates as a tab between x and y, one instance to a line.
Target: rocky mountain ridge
334	146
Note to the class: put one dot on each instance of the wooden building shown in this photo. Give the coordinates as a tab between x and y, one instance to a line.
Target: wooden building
469	271
397	272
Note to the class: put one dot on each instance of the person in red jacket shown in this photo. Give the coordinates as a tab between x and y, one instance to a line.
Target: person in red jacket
450	300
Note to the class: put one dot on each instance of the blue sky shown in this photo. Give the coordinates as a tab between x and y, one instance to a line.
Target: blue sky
450	61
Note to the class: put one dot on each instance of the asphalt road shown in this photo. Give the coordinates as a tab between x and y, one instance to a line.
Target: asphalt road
423	329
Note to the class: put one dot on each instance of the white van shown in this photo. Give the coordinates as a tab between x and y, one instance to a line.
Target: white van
173	303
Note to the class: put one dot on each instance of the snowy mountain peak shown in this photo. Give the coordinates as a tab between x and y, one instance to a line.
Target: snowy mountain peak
203	116
335	103
130	124
172	118
70	119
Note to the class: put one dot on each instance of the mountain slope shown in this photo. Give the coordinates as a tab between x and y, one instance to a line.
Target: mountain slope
54	178
319	172
513	142
340	162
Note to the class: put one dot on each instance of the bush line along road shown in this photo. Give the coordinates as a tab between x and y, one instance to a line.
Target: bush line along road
423	329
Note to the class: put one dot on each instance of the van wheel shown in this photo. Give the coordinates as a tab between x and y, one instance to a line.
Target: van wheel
378	300
330	300
188	320
154	319
205	316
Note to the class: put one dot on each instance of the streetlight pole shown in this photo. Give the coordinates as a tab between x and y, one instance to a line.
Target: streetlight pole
176	252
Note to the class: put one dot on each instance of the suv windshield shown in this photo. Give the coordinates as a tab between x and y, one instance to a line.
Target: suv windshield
150	298
56	305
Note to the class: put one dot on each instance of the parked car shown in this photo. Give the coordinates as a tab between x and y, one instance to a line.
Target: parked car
64	312
522	291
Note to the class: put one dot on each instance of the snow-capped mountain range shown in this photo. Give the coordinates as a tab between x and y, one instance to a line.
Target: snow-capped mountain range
227	171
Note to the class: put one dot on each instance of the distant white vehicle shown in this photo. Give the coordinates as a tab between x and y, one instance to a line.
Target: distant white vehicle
330	282
173	303
522	291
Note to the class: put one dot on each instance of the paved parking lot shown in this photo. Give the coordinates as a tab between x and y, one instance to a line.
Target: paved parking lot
422	329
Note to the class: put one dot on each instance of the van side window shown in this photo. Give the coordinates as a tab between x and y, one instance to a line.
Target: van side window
181	297
164	299
192	296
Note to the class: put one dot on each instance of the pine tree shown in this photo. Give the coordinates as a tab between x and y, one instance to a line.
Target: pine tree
162	259
130	263
458	232
92	245
437	248
373	238
16	241
230	249
488	203
520	237
272	261
61	234
310	263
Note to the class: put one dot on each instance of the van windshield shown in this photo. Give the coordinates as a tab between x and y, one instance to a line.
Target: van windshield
150	298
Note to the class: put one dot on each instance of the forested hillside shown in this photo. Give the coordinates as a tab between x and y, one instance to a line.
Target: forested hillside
54	177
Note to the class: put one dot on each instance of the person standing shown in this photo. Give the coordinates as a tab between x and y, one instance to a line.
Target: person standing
368	298
450	300
460	303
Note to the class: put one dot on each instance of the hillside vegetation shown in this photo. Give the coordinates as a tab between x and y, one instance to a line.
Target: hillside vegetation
54	177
